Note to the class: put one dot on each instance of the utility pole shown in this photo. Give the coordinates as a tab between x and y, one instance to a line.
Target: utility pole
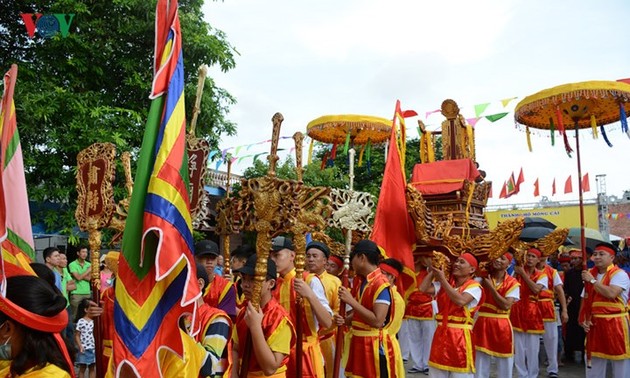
602	206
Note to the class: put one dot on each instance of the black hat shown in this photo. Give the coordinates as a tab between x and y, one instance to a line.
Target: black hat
250	267
206	247
366	246
319	245
282	242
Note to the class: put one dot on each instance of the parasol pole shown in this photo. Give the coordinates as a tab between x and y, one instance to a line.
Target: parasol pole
581	196
226	237
344	277
300	250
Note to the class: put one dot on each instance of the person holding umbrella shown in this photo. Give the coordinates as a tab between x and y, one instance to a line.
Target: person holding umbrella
604	315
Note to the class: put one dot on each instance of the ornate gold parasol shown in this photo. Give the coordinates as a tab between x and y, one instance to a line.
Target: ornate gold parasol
334	129
582	105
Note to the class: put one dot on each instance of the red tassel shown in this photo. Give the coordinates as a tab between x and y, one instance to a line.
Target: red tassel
333	152
324	160
560	121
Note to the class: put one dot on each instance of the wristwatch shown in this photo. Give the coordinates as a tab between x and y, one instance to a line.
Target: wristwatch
592	282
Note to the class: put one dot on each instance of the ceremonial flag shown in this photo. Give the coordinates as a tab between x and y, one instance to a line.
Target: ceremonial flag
568	187
16	234
156	281
536	188
503	193
586	184
553	187
520	180
393	228
512	188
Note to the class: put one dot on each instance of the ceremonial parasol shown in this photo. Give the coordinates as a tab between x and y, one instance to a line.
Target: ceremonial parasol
538	222
583	105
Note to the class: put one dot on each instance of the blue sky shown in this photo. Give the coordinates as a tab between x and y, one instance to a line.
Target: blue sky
311	58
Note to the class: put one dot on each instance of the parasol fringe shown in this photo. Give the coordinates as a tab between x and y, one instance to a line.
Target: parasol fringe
529	139
623	119
601	128
594	126
552	128
361	156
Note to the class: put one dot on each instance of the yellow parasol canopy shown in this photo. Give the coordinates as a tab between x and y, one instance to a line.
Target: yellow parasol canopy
334	129
576	103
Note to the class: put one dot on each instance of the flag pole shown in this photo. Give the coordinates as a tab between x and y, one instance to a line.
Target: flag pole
344	277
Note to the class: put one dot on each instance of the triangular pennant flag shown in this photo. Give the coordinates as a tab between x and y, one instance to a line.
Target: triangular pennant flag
427	114
568	186
472	121
536	188
586	185
503	193
496	117
506	101
480	108
520	180
553	187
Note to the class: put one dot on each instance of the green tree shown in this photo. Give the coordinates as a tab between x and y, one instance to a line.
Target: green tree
93	84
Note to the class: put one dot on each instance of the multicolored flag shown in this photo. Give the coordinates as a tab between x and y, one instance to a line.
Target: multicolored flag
512	188
393	228
16	234
156	281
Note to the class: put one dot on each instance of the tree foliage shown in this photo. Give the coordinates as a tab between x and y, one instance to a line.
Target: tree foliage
93	85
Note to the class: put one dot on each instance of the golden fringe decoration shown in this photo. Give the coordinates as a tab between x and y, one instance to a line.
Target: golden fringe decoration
430	150
529	139
594	126
471	140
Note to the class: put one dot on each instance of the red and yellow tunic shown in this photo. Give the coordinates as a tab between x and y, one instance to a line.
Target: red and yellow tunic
608	337
547	296
418	303
107	324
312	362
493	330
525	315
217	291
327	336
365	341
452	347
275	324
397	314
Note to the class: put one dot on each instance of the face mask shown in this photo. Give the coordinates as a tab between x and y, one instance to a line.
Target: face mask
5	350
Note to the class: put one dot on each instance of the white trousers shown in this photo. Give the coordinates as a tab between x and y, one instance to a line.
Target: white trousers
550	341
437	373
403	339
620	368
483	361
420	335
526	347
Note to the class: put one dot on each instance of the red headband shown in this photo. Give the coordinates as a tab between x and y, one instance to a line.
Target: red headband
336	259
389	269
508	256
535	251
605	248
576	253
470	259
564	259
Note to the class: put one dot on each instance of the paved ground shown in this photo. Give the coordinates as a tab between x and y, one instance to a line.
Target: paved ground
569	370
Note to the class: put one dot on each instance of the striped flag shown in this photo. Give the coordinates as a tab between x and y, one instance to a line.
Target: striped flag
156	282
16	234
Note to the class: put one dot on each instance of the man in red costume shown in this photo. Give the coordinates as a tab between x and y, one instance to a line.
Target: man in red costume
419	325
316	313
220	292
452	354
493	330
317	254
604	315
369	352
271	333
526	317
546	302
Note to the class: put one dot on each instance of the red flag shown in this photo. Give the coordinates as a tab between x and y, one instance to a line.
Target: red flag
568	187
490	191
536	188
519	181
503	193
393	228
553	187
586	185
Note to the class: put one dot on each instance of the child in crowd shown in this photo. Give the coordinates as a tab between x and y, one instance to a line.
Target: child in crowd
84	337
